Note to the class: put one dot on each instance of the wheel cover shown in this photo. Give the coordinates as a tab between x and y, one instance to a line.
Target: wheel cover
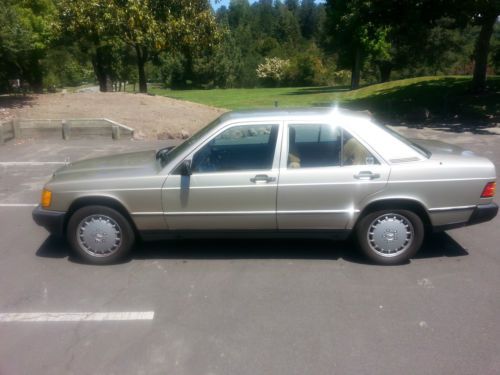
390	235
99	235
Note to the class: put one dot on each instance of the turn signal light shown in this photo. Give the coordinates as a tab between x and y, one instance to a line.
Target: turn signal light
46	198
489	190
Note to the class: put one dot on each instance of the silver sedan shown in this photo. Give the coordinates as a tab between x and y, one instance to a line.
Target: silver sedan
308	172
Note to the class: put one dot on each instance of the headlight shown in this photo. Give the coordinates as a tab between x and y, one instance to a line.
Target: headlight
46	198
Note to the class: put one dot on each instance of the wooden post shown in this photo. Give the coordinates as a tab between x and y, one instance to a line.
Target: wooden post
115	132
16	128
66	130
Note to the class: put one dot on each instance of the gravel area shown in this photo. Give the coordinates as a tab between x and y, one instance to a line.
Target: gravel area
152	117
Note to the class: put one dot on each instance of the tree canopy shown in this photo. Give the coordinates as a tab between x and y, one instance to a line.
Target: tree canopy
184	44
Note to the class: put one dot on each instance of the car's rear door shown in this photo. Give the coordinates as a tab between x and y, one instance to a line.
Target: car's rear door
324	174
233	184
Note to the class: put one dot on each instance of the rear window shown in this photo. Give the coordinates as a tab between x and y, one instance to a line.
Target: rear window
421	150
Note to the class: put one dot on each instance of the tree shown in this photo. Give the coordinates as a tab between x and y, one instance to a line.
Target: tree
146	26
25	37
287	28
354	36
485	14
427	13
88	24
292	5
308	16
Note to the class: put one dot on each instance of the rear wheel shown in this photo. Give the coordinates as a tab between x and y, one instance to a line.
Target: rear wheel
390	236
100	235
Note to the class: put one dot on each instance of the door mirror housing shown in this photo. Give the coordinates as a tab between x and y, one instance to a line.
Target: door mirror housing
185	168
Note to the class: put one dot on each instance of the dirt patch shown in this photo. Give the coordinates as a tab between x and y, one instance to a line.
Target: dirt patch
152	117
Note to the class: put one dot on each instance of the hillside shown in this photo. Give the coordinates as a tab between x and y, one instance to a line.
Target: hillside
433	100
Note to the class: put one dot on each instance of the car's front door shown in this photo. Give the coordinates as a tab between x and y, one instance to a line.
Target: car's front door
233	183
324	174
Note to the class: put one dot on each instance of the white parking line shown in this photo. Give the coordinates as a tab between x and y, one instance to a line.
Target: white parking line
18	204
30	163
76	316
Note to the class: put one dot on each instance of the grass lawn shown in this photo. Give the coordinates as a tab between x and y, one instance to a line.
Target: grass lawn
438	98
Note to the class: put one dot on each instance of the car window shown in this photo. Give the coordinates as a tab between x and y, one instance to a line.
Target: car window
239	148
176	151
313	145
354	153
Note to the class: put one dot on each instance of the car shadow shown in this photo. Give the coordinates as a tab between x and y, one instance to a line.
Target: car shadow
53	247
440	244
435	246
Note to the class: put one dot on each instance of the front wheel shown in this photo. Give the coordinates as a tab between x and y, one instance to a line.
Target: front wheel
390	236
100	235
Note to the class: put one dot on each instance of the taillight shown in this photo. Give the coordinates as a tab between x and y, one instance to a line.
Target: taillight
489	190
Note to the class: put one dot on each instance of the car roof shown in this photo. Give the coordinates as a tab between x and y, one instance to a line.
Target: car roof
295	113
360	123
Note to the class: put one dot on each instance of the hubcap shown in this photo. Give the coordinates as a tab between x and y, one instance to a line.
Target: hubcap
99	235
390	235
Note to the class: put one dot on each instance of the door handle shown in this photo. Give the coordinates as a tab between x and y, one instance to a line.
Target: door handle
262	178
366	175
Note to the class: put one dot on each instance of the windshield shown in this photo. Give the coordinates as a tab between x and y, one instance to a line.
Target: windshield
418	148
172	154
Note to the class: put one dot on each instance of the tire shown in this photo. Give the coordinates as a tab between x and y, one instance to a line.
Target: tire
109	236
390	236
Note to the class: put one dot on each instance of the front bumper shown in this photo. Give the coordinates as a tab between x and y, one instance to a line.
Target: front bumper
481	214
53	221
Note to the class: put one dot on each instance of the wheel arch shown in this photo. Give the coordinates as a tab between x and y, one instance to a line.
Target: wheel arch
106	201
409	204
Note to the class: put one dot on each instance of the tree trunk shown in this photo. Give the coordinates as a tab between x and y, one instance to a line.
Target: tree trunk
481	51
103	87
37	84
33	74
98	63
142	56
37	80
385	69
356	69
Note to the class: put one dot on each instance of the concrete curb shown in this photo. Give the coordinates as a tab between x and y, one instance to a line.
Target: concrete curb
66	128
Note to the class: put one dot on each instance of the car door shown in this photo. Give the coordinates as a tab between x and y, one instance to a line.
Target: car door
233	184
324	173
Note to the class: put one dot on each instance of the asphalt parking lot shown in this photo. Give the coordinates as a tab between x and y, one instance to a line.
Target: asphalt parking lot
240	307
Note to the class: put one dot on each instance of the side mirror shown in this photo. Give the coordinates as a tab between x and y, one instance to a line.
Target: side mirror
185	168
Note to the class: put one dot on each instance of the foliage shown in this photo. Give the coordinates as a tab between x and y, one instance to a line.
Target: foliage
273	70
268	29
25	37
147	27
185	44
415	36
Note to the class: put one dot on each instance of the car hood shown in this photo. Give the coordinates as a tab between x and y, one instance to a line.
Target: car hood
132	164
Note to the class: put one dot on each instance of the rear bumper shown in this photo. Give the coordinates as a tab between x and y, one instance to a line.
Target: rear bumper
480	214
53	221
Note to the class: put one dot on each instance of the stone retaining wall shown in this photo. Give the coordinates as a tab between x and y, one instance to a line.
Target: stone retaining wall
67	129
